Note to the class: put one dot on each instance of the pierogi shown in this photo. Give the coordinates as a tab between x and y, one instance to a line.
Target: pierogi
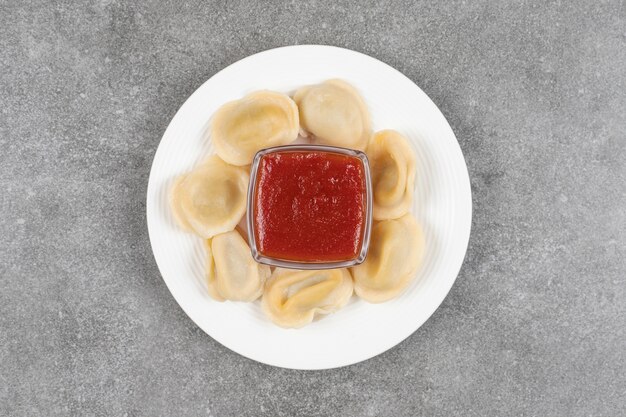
211	199
395	253
259	120
392	166
292	298
231	272
334	113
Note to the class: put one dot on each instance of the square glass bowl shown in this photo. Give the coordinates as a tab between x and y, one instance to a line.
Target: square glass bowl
308	264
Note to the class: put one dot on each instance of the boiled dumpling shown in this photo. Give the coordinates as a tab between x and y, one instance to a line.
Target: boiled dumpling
292	298
334	113
231	272
259	120
211	199
392	164
395	253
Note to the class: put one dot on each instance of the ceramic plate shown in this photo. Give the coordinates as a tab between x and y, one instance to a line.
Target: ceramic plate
442	206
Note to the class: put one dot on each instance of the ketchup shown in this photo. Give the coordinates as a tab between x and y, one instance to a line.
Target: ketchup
310	206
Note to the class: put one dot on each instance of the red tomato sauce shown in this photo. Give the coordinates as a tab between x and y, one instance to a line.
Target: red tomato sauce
310	206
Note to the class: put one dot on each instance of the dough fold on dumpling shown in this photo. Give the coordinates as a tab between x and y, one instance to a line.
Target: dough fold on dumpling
259	120
292	298
211	273
211	199
231	272
395	253
334	113
392	165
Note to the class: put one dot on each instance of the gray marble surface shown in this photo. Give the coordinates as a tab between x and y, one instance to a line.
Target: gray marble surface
535	324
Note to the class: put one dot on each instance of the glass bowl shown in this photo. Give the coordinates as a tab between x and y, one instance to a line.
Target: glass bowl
284	263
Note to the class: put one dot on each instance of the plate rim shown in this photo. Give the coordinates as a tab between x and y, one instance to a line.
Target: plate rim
415	325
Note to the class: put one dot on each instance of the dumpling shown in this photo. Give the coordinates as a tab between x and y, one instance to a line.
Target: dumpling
211	199
392	165
259	120
395	253
334	113
292	298
231	272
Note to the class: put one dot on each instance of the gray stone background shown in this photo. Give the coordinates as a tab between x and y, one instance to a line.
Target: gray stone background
535	324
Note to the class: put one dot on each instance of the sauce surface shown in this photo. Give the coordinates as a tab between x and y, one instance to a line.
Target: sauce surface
310	206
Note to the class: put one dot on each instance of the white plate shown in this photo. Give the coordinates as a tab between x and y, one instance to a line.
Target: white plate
442	205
